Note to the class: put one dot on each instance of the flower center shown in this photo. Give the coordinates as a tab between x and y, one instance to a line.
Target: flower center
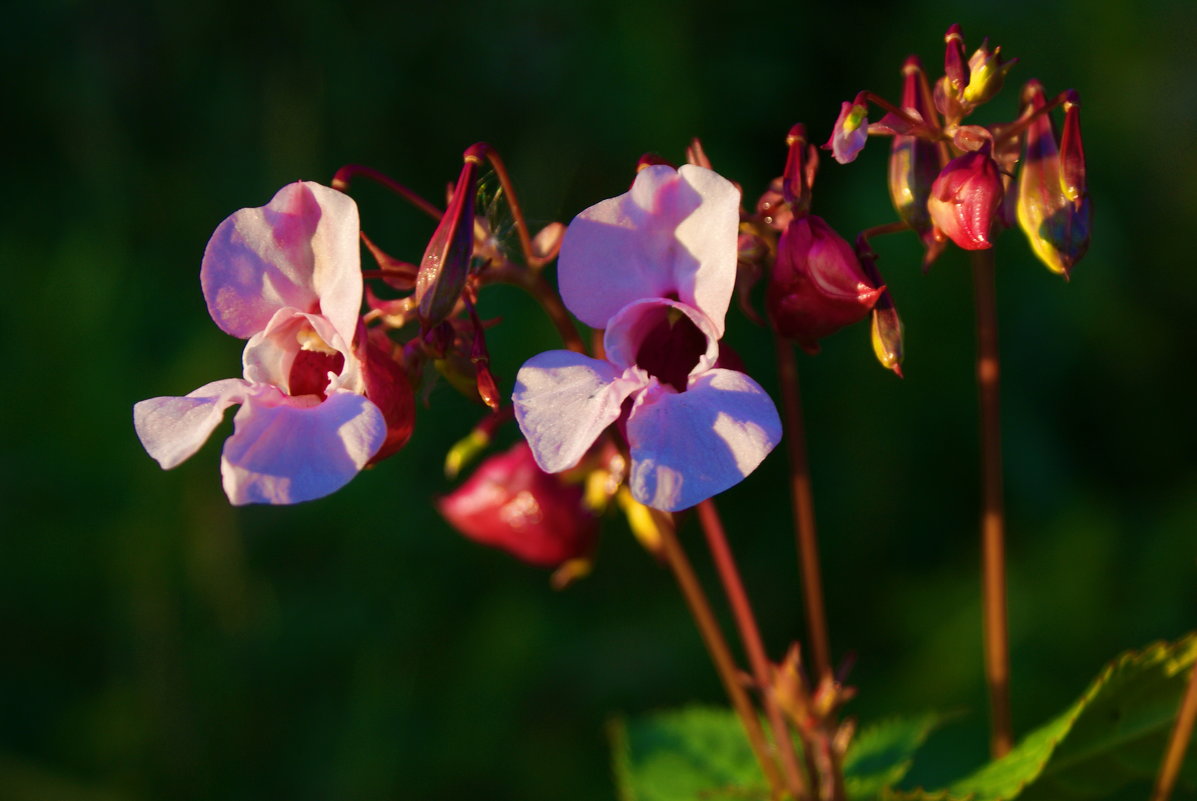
313	362
672	345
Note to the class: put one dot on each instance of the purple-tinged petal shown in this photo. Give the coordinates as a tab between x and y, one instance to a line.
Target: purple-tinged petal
564	400
673	234
634	337
173	429
692	445
286	450
300	250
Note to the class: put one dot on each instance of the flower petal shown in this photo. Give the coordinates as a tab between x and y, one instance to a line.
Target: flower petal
673	234
300	249
287	450
173	429
564	400
689	446
626	331
270	353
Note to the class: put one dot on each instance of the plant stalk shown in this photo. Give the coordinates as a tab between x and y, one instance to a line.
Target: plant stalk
750	635
804	507
1178	742
716	645
993	560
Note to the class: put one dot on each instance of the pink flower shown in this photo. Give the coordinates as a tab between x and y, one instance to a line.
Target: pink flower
965	198
655	267
851	131
287	277
511	504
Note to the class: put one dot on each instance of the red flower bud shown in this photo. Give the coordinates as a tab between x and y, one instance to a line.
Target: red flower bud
802	162
511	504
914	163
446	262
817	286
965	198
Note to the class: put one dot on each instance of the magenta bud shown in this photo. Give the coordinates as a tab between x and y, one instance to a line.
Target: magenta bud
1072	152
802	162
1053	207
955	67
446	263
914	163
886	329
851	130
818	285
965	199
511	504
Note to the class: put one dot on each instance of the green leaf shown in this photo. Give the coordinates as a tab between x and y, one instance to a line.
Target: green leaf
1113	735
682	755
881	755
702	753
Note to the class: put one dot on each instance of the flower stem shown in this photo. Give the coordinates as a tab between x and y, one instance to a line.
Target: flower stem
804	506
341	180
1178	742
716	645
517	213
993	564
750	635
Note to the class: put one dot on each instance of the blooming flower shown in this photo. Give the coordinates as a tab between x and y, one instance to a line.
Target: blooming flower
511	504
655	267
287	277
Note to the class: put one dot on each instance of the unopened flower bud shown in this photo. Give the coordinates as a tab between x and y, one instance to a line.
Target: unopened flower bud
886	328
446	262
1053	205
987	73
851	131
965	198
802	162
817	286
955	68
914	162
511	504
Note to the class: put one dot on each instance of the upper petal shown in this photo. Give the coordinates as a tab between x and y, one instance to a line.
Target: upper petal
286	450
173	429
563	401
689	446
300	250
672	234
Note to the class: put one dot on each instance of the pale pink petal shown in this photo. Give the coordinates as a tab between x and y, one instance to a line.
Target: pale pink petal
286	450
564	400
627	329
673	234
688	446
299	250
173	429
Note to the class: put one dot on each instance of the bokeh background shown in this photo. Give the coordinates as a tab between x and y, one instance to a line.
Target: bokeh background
158	644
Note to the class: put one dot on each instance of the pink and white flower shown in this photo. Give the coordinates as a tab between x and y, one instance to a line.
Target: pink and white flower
287	277
655	267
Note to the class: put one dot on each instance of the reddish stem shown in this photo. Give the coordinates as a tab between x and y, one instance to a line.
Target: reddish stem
716	645
347	173
517	213
993	560
750	635
804	507
1178	742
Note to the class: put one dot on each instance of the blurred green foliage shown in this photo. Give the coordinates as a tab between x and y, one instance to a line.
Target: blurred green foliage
160	644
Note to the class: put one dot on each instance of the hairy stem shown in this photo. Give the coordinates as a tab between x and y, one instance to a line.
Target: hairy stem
716	645
1178	742
750	635
804	507
993	560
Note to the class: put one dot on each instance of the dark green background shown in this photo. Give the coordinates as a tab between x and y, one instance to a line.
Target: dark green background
158	644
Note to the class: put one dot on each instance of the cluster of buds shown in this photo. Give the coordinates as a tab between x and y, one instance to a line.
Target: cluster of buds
953	181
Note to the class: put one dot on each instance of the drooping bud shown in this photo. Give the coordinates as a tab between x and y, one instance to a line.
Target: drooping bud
1053	206
446	262
511	504
914	162
802	162
965	198
987	73
470	447
886	329
817	286
488	389
955	68
1072	151
851	130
